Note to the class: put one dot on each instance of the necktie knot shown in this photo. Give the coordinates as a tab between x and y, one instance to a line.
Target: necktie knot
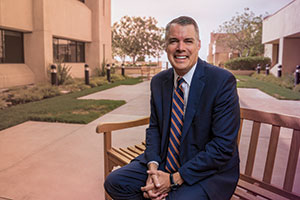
180	80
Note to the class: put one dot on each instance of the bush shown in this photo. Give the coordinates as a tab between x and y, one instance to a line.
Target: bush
24	96
286	81
247	63
117	77
297	88
27	94
48	91
63	73
3	103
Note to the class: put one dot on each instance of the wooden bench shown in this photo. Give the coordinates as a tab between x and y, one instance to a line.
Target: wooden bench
248	186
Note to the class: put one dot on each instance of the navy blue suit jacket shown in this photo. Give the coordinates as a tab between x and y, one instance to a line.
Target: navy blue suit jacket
208	150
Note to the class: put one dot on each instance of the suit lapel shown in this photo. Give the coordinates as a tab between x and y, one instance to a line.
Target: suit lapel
195	93
166	102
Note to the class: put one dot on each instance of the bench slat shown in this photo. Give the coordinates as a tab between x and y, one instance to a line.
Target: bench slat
252	148
127	151
135	150
118	158
128	156
272	149
140	147
259	191
243	194
292	161
240	131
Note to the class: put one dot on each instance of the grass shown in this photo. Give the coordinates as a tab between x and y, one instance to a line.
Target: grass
66	108
267	87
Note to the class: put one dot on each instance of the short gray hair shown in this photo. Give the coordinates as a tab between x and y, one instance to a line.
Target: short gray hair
183	21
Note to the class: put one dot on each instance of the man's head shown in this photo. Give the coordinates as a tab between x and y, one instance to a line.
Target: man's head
182	43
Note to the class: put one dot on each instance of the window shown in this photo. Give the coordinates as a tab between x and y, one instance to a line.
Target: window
11	47
68	50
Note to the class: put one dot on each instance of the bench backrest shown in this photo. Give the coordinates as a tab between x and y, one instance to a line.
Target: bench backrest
277	122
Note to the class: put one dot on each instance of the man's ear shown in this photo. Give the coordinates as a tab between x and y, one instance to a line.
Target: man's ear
199	44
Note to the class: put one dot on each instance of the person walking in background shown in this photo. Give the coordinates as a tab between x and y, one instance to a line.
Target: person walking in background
191	150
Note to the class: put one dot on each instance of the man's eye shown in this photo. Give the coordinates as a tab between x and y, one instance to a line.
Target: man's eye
172	41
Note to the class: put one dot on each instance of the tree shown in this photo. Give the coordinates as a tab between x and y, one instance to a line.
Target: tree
244	34
137	37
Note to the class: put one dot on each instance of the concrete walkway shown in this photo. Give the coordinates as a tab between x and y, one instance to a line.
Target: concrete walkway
41	161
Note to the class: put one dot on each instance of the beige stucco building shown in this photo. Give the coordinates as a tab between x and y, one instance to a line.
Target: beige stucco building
36	33
281	36
219	53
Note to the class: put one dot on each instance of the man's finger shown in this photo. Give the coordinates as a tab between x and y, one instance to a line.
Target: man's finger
148	187
162	196
145	194
155	181
153	194
153	174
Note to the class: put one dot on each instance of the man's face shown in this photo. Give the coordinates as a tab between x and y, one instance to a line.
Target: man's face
182	47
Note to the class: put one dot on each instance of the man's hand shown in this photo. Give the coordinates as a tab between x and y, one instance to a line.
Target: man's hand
157	185
151	188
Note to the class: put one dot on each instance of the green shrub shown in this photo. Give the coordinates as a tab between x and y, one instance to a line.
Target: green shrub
100	81
3	103
93	83
27	94
24	96
286	81
117	77
63	73
103	66
247	63
297	88
48	91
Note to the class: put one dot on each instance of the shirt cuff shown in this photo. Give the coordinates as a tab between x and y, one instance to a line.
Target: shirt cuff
155	162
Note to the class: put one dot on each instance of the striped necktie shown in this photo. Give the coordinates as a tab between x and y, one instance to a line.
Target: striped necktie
172	164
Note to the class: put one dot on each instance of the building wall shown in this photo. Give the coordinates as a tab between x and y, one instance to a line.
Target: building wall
16	14
283	23
41	20
218	53
281	36
291	55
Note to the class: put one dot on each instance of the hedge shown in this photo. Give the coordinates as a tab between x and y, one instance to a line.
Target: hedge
247	63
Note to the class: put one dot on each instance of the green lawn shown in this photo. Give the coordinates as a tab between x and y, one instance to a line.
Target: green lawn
65	108
267	87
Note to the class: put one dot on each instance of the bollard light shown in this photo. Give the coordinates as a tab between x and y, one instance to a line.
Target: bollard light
267	69
53	75
279	71
86	74
108	72
258	69
123	69
297	75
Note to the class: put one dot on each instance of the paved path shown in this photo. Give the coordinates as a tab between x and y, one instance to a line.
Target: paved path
41	161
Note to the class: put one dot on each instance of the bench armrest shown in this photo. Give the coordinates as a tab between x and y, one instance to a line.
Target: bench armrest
112	126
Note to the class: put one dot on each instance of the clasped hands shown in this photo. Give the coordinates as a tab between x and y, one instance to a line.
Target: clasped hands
157	185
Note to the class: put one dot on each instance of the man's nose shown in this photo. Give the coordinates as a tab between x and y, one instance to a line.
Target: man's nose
180	46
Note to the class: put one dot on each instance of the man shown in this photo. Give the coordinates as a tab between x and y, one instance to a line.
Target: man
191	150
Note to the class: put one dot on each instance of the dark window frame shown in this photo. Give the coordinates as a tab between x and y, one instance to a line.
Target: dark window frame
65	53
3	48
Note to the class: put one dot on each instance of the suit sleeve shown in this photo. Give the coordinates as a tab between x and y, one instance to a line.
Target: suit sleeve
153	136
224	129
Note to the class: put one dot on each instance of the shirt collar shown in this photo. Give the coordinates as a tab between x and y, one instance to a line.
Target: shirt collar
187	77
